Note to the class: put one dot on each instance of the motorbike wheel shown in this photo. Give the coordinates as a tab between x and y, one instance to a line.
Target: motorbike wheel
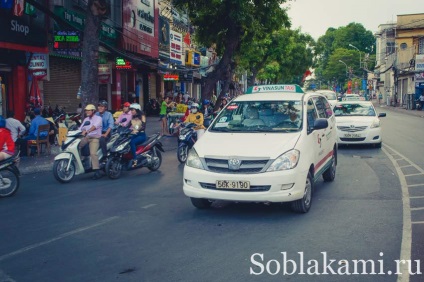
9	182
113	168
60	173
182	153
156	165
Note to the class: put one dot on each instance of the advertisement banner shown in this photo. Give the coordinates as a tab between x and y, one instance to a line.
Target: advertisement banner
164	40
419	62
140	21
177	56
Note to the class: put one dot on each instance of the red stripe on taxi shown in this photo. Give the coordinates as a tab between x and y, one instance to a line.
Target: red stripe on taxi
323	160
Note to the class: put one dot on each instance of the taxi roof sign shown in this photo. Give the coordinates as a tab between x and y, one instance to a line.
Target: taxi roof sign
291	88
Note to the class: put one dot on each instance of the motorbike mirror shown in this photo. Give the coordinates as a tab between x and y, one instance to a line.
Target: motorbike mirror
86	123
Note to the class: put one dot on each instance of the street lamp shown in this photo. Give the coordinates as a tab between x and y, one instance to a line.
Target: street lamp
344	64
360	59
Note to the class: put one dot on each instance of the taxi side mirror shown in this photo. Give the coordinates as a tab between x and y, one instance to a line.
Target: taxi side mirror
381	114
320	123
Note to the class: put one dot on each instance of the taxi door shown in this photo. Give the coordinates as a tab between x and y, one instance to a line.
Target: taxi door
314	136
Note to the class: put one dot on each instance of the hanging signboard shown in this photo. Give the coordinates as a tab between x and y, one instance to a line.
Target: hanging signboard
171	77
122	63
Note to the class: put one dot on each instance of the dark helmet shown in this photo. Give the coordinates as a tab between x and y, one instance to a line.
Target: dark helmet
206	102
2	122
102	103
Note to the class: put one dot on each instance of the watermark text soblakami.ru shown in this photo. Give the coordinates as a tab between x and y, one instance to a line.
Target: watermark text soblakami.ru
325	266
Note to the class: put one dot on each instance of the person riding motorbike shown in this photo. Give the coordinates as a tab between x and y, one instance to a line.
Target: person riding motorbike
107	126
92	134
138	126
197	118
207	110
7	146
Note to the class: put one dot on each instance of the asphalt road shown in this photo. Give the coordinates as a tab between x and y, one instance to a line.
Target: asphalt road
142	227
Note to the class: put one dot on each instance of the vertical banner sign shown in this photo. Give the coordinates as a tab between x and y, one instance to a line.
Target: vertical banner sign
177	56
163	38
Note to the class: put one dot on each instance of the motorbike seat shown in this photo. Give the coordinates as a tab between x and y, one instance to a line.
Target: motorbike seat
11	159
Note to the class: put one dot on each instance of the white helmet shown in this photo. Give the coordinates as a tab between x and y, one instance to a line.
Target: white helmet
135	106
194	105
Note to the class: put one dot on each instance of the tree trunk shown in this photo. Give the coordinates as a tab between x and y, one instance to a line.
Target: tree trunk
224	70
90	49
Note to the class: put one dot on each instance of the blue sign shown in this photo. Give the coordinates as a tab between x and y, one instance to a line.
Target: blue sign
313	86
364	84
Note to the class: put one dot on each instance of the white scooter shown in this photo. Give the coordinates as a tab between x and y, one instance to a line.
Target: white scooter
69	163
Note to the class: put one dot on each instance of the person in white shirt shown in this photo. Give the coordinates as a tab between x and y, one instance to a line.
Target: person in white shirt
15	126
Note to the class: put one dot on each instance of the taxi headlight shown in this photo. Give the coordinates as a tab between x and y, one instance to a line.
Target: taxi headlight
286	161
375	123
193	160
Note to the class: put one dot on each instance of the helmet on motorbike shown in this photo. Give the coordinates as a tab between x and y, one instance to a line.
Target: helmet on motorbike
194	105
90	107
135	106
102	103
2	122
206	102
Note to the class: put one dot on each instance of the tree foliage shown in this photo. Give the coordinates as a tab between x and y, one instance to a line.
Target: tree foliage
228	23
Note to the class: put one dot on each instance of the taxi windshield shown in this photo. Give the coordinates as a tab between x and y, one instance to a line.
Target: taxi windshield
354	109
260	116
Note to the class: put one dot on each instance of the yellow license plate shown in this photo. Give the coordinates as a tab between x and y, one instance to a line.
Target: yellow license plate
230	184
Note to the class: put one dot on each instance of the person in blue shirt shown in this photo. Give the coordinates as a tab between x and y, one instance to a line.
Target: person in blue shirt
33	130
107	126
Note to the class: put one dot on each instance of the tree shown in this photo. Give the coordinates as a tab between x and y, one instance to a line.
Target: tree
96	11
228	23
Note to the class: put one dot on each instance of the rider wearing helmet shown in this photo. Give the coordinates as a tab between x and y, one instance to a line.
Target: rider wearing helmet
207	109
6	142
107	125
92	133
125	114
138	126
196	117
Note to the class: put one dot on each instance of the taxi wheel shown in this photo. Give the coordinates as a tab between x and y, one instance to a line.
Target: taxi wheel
201	203
330	173
303	205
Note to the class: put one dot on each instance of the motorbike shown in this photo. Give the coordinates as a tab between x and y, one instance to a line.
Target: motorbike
9	176
186	139
70	162
417	105
120	157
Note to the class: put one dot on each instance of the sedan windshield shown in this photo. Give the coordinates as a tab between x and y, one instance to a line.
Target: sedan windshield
354	109
260	116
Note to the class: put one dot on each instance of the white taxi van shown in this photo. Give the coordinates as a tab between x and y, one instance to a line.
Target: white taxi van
269	145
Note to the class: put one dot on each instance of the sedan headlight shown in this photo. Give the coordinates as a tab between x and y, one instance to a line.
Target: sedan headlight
375	123
286	161
193	160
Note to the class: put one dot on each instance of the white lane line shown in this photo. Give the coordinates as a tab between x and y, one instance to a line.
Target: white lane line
405	250
398	159
5	278
418	222
416	197
417	209
411	163
405	166
67	234
148	206
414	174
415	185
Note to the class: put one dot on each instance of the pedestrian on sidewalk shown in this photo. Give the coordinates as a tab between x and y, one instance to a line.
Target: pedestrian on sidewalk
380	96
421	98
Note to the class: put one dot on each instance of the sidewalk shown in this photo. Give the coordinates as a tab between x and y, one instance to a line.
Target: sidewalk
383	107
44	163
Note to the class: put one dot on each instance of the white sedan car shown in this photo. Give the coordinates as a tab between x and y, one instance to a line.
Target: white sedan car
330	95
358	123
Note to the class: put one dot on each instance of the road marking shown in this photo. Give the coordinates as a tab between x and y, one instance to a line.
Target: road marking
415	185
148	206
64	235
405	252
416	197
417	209
418	222
415	174
404	165
5	278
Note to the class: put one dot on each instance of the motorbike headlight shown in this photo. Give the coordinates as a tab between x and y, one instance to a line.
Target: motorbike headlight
182	136
193	160
375	123
122	146
286	161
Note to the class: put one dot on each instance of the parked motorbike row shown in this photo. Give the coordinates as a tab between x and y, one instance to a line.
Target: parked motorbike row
71	162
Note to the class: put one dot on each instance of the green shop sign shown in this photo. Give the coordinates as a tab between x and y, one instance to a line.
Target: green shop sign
77	20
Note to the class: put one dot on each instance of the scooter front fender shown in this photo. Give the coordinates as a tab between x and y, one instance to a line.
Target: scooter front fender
62	156
66	156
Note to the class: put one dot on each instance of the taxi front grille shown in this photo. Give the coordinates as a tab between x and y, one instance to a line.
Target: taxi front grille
352	129
352	139
253	188
246	166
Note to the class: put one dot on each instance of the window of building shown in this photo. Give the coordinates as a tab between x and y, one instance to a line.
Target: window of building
403	46
421	46
390	48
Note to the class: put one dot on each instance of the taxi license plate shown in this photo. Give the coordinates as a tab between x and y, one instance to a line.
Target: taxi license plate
352	135
229	184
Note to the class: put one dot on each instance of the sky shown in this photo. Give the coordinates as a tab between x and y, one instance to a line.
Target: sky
316	16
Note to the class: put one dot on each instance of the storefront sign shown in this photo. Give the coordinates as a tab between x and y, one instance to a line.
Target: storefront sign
67	41
176	52
39	65
105	74
164	38
172	77
419	62
419	76
27	32
122	63
192	58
